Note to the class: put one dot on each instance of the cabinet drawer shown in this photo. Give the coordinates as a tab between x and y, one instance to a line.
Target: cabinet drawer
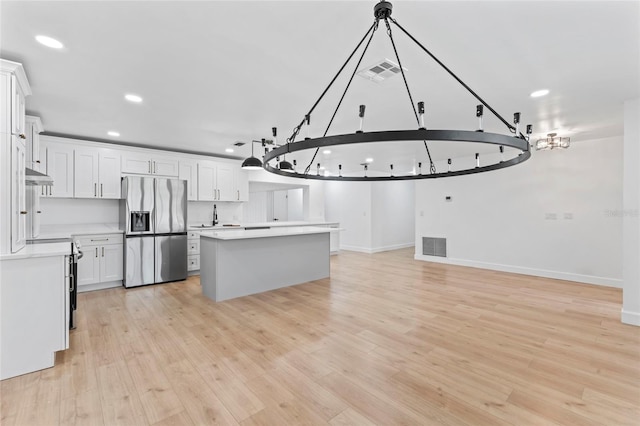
193	235
104	239
193	247
193	263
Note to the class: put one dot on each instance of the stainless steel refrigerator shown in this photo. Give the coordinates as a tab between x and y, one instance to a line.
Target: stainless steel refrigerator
153	213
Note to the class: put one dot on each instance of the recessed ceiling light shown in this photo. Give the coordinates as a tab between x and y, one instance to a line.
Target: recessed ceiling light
112	133
539	93
49	42
369	160
228	150
133	98
326	151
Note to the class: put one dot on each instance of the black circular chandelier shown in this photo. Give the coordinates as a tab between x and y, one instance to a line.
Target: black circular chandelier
382	12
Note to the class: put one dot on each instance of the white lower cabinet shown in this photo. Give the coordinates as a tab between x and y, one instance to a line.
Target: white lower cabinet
193	251
34	313
101	265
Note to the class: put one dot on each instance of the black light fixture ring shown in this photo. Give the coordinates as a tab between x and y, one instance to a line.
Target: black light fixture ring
452	136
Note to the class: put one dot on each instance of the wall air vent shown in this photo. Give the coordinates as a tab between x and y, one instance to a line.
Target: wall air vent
380	71
434	246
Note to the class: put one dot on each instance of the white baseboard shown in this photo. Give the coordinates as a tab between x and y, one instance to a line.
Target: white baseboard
629	317
99	286
568	276
370	250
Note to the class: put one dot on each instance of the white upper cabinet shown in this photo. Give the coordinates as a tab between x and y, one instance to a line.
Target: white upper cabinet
241	181
109	174
14	88
97	173
18	195
207	190
225	182
189	172
60	169
220	181
33	130
145	164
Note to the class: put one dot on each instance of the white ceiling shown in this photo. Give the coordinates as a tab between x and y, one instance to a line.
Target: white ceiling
214	72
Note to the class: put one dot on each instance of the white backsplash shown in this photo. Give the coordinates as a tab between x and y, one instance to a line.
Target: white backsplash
201	212
70	211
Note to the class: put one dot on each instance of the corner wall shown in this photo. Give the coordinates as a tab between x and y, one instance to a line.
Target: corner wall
556	215
375	216
631	215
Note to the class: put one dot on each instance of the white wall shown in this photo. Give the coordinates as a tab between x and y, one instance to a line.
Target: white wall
631	214
553	215
350	204
313	192
375	216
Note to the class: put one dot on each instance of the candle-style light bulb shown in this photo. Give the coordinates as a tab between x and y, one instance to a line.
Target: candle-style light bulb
361	115
318	169
449	163
501	153
340	170
295	163
391	167
307	119
366	167
516	121
477	160
421	112
529	131
479	114
419	168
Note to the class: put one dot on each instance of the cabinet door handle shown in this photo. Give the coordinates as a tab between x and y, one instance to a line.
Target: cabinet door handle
38	211
38	161
100	190
96	251
102	251
50	191
42	190
149	164
155	168
102	239
23	212
95	189
238	195
22	136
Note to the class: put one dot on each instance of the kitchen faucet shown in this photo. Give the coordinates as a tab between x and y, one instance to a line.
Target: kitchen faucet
215	215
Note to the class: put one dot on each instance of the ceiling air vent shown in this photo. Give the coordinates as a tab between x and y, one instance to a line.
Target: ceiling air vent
381	70
238	143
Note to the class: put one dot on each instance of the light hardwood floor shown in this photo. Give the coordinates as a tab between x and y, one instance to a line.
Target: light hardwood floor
386	340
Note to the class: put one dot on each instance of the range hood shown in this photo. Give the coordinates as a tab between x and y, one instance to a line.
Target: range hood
33	178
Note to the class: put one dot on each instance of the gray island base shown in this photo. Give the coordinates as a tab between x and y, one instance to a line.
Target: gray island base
240	263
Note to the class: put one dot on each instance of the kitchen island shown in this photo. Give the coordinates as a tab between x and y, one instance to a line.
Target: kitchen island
242	262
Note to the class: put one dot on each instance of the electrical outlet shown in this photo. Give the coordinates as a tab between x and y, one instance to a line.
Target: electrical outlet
568	216
550	216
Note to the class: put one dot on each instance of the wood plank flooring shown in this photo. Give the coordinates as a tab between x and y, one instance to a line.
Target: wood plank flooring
387	340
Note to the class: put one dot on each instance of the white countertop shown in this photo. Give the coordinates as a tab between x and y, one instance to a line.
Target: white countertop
39	250
66	231
241	234
275	224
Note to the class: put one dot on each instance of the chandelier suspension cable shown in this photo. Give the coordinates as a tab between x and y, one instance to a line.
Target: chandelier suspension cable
355	70
296	130
432	167
509	126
